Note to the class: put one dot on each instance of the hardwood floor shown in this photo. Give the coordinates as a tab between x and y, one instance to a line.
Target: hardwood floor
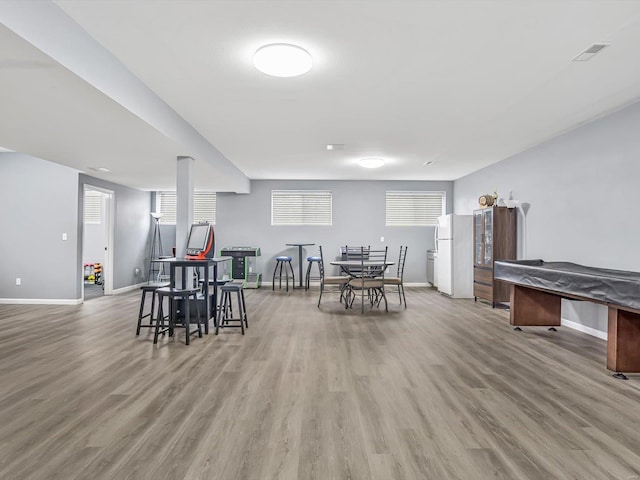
442	390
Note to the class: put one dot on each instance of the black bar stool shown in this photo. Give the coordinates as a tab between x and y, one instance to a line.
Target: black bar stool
205	291
174	294
311	260
281	262
150	288
225	310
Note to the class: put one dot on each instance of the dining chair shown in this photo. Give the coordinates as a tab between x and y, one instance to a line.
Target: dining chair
354	253
368	278
341	280
398	280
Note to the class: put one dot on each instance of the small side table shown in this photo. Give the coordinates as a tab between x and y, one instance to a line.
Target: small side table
299	245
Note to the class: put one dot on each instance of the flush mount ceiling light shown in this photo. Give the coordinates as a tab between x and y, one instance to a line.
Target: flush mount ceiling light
99	169
282	60
371	162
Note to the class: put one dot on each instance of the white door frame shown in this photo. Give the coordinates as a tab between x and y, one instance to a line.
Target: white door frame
109	215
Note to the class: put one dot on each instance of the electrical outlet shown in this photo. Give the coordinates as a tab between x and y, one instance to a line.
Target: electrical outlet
382	239
64	237
18	281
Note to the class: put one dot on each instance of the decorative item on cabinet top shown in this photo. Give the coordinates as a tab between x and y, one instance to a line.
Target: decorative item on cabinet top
488	200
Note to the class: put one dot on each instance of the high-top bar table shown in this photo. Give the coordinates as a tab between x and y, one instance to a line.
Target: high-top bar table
299	245
205	263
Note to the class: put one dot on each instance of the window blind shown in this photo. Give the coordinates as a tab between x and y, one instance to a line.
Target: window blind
204	207
413	209
92	207
301	207
167	208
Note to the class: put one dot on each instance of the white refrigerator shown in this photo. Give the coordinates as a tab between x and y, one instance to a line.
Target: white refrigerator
454	239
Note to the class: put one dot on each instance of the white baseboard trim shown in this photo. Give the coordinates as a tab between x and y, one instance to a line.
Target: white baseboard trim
40	301
60	301
118	291
584	329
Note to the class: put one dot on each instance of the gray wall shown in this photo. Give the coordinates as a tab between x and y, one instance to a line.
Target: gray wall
582	191
38	203
131	230
358	219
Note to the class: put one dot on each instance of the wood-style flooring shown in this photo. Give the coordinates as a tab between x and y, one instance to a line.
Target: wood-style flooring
442	390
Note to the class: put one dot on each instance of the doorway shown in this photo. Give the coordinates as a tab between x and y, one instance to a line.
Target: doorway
97	241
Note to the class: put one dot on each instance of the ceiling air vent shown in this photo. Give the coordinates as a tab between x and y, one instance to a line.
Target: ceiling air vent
590	52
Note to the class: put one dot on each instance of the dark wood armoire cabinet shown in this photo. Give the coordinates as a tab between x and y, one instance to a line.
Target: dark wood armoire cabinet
494	238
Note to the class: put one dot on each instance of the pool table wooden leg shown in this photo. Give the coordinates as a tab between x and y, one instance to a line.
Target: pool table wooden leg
532	307
623	341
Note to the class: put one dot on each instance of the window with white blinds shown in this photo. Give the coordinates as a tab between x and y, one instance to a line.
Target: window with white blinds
167	207
204	207
301	207
92	207
414	209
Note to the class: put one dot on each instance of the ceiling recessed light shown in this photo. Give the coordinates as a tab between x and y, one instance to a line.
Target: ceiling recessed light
371	162
426	164
335	146
282	60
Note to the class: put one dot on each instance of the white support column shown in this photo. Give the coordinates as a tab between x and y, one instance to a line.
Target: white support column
184	203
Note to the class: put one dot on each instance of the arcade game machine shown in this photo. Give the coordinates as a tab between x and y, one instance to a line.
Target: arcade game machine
201	242
200	246
242	267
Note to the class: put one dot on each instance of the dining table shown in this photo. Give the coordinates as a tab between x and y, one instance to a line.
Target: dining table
348	266
210	301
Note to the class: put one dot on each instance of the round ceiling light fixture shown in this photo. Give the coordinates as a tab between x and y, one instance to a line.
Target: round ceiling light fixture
282	60
372	162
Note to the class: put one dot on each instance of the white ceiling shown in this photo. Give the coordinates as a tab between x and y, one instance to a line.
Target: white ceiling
461	83
51	113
